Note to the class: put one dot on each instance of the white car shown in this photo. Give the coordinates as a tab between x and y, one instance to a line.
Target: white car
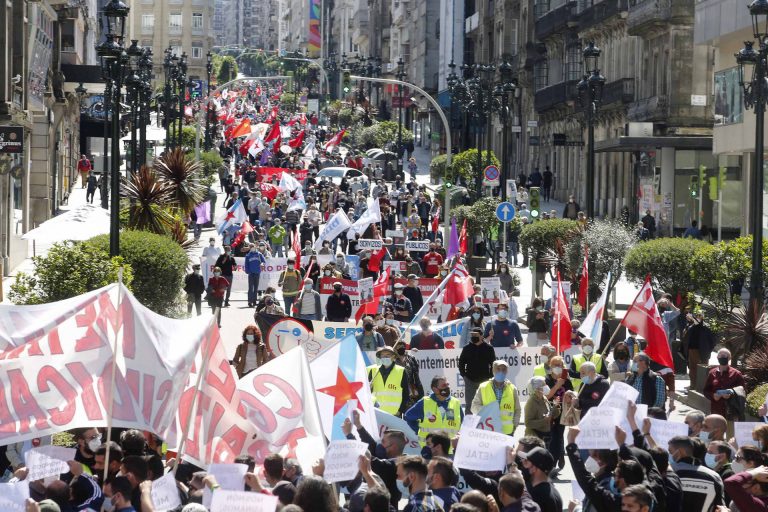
335	174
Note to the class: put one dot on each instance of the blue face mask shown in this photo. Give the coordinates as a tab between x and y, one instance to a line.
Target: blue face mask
403	489
586	379
633	367
380	452
500	376
672	459
612	487
710	460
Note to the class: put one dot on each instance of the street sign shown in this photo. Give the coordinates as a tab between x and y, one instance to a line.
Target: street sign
533	124
491	176
197	88
505	212
516	128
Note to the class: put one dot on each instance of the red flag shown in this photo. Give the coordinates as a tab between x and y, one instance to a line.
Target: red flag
374	264
584	283
380	289
297	250
334	141
561	323
245	146
298	141
245	228
463	238
644	319
269	190
274	133
435	223
459	286
303	118
292	122
243	129
381	286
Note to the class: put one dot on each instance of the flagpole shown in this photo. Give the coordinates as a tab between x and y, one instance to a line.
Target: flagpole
557	313
610	341
118	322
317	404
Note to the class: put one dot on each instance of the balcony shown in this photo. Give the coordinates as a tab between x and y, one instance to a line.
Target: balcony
400	13
619	91
597	13
650	109
555	20
554	96
648	16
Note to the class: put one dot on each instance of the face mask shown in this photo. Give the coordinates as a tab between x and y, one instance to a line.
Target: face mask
586	379
390	321
587	349
737	467
672	459
337	290
500	376
475	316
477	340
546	390
307	287
710	460
445	392
556	371
633	367
217	274
368	327
424	328
502	314
380	452
591	465
212	244
339	261
403	489
723	361
327	272
426	452
612	486
704	436
398	292
379	323
94	444
197	272
107	504
386	361
544	359
250	337
443	273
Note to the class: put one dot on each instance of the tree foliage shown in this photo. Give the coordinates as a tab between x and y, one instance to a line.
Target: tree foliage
188	136
183	176
68	269
481	216
227	70
543	236
667	260
438	167
465	165
210	161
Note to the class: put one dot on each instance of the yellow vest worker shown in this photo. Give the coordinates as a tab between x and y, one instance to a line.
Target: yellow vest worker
507	397
540	371
389	387
582	358
547	353
436	412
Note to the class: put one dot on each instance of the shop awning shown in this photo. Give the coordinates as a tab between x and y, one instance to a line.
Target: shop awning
630	144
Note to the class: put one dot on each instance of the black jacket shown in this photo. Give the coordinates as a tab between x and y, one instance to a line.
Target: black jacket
338	308
414	295
227	264
592	394
476	362
193	283
600	497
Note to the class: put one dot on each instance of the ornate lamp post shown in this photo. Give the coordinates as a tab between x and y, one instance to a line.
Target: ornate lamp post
753	76
590	95
208	70
400	76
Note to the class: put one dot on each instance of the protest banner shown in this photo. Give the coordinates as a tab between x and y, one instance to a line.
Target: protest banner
482	450
13	496
662	431
742	431
369	244
618	397
348	286
165	494
417	246
395	266
242	501
282	333
598	429
239	277
341	460
387	421
45	461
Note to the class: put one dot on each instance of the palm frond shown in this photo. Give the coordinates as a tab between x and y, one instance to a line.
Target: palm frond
149	200
178	232
184	177
746	330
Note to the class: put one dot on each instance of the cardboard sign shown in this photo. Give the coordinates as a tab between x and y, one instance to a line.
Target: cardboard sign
417	245
165	495
45	461
396	267
640	414
229	476
662	431
490	289
482	450
365	287
742	431
242	501
369	244
13	496
598	429
618	397
341	460
387	421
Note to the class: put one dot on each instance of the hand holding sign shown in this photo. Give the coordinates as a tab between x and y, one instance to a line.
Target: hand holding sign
165	495
242	501
45	461
482	450
13	496
341	460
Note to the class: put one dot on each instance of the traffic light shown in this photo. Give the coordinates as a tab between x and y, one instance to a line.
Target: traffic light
534	200
346	83
722	176
693	188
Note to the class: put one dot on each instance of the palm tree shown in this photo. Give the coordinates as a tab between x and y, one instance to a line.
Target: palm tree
183	176
149	200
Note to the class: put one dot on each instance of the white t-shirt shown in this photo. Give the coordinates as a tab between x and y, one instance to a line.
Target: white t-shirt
250	357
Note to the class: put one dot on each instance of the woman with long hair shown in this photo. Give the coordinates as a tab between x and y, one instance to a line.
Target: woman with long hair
251	353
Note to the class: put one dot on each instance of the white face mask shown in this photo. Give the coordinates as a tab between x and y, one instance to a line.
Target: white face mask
591	465
587	349
390	321
544	359
94	444
212	244
737	467
250	337
704	436
307	287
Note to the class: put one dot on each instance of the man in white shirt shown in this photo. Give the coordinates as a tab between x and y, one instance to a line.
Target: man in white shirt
212	251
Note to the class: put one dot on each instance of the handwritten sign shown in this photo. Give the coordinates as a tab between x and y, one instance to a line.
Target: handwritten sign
242	501
341	460
640	414
365	289
482	450
598	429
13	496
618	397
662	431
230	477
417	245
742	431
369	244
45	461
165	495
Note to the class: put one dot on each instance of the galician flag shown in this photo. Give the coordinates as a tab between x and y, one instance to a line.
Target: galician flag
592	327
235	215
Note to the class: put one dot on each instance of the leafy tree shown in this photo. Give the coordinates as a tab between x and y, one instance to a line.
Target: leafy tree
68	269
480	216
188	136
438	167
227	70
667	260
287	98
159	265
543	236
465	165
211	161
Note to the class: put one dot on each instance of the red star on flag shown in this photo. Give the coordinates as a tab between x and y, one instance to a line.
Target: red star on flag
230	215
343	391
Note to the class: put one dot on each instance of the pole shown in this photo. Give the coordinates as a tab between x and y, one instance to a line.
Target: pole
590	157
167	109
756	199
208	114
719	212
105	166
400	130
144	116
110	406
197	137
134	128
114	213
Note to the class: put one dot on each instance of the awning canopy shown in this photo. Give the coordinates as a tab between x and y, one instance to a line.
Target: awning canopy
630	144
81	223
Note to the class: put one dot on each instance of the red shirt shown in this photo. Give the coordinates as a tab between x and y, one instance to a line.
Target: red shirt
718	380
432	262
84	165
218	286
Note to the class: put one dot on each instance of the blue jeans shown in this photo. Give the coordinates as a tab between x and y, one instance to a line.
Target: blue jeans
253	287
197	230
279	250
289	304
307	317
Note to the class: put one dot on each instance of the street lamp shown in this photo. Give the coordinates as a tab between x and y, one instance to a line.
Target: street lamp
590	95
113	59
753	77
145	92
400	152
208	70
504	92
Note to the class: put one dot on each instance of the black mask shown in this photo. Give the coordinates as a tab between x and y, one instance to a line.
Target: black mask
400	351
476	339
426	452
723	361
337	290
445	392
368	327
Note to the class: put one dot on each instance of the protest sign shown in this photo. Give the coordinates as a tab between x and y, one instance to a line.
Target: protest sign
387	421
165	495
482	450
45	461
13	496
427	285
640	414
229	476
742	431
369	244
417	245
239	277
598	429
341	460
365	289
395	266
266	174
566	291
490	417
618	396
470	421
242	501
397	236
662	431
577	493
490	289
353	261
348	286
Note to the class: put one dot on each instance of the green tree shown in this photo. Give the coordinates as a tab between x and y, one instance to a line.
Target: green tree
385	132
465	165
227	70
183	175
667	260
68	269
188	136
543	236
211	161
438	167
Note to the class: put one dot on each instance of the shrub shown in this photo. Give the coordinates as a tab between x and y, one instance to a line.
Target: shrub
542	236
211	162
756	398
159	266
68	269
465	164
438	168
667	260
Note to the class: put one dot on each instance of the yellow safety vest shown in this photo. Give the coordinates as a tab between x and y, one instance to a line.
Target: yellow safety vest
580	360
506	406
540	371
438	419
388	394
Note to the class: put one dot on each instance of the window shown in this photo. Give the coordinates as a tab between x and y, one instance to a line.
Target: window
197	51
540	74
197	20
174	21
573	57
148	21
176	48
